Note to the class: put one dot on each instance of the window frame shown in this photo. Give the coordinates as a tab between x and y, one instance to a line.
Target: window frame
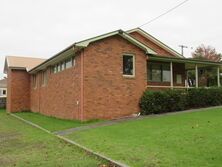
134	66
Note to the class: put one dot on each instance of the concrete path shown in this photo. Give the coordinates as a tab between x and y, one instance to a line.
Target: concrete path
116	121
96	125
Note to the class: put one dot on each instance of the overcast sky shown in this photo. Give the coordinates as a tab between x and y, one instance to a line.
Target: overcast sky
42	28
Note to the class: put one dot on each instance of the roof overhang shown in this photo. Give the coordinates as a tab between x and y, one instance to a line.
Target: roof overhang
69	51
182	60
156	41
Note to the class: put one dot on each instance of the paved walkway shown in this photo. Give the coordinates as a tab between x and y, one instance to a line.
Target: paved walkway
116	121
96	125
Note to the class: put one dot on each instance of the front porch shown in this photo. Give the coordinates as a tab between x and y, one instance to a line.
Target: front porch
182	73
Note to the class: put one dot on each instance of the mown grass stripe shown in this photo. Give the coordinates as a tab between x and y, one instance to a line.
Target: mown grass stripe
102	157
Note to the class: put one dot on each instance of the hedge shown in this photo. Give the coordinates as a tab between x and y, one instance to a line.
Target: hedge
155	102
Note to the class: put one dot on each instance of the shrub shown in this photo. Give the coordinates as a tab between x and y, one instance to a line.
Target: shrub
155	102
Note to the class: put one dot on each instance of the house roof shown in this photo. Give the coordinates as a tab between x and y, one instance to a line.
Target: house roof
3	83
26	63
83	44
156	41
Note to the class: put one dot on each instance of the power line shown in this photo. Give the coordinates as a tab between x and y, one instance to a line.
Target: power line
168	11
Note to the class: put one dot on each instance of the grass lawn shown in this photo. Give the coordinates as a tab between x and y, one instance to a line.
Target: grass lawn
179	140
51	123
24	146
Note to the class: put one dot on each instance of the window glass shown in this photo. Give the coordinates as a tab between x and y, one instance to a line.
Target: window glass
158	72
69	63
4	92
55	69
166	73
128	65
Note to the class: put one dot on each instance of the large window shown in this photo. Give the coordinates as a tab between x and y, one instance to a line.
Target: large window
128	65
158	72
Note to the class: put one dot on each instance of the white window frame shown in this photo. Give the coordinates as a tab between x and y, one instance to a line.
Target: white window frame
134	65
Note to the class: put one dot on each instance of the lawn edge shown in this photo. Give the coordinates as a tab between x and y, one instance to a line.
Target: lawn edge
91	152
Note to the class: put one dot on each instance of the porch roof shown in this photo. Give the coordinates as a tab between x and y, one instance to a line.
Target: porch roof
183	60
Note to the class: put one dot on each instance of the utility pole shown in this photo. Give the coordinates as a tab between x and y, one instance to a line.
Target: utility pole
182	48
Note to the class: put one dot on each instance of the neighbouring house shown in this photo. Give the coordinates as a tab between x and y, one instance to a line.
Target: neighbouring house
101	77
3	92
3	87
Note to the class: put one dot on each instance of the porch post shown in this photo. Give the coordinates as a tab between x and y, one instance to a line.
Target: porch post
218	76
196	75
171	75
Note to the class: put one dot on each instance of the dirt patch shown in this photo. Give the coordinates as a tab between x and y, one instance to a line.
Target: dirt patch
6	161
4	136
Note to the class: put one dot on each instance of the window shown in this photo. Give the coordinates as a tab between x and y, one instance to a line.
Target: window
58	68
73	62
44	78
128	65
158	72
68	63
63	66
34	82
54	69
4	92
166	73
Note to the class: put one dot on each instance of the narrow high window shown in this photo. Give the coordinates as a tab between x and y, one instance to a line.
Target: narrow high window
44	78
34	82
68	63
128	65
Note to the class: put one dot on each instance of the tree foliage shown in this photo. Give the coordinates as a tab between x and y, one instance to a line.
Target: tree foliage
207	53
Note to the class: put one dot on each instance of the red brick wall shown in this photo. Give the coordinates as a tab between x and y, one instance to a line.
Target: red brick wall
60	96
152	45
107	94
18	91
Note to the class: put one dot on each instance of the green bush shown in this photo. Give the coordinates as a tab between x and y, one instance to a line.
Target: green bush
155	102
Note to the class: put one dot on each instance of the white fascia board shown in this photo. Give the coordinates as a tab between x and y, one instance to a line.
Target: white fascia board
85	43
121	33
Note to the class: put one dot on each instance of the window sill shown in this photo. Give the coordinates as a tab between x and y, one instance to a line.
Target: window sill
129	76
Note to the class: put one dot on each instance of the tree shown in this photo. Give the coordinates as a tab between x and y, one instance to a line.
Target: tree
207	53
